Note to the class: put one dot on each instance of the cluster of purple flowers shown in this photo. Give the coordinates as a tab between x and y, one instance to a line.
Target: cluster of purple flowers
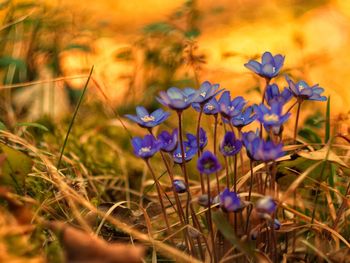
235	113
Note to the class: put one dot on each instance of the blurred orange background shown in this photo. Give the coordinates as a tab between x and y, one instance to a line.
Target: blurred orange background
314	39
313	35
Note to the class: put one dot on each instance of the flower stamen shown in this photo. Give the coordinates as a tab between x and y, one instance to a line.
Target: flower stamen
271	117
147	118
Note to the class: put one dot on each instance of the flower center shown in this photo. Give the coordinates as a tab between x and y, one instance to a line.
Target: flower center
179	155
203	94
231	108
271	117
229	148
301	87
210	107
147	118
145	149
209	165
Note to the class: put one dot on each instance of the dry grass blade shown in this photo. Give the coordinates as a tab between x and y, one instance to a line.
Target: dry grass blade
317	251
58	180
299	180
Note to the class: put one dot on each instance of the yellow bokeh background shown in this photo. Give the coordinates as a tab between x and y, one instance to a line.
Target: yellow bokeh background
315	42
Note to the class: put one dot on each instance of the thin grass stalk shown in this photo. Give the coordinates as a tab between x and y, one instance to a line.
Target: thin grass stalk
73	118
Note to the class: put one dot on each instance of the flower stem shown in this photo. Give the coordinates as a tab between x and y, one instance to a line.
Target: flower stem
267	82
184	170
227	173
210	221
159	197
296	123
183	166
198	146
251	180
235	174
291	107
215	149
170	173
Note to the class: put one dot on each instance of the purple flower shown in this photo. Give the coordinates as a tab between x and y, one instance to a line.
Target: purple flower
206	92
230	145
269	151
261	150
271	118
273	95
203	200
302	91
168	141
192	139
228	108
248	139
230	201
208	163
269	67
277	224
177	99
266	205
189	153
146	120
180	186
209	108
243	118
146	147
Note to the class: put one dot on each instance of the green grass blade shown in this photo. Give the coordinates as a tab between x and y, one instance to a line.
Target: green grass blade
227	231
32	124
73	118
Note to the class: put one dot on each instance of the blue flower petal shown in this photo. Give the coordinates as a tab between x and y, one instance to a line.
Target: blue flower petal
253	66
141	112
267	58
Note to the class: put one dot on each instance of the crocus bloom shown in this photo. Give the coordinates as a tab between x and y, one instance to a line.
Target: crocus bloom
230	145
147	120
192	139
271	118
146	147
228	108
269	67
209	108
230	201
168	141
243	118
266	205
273	95
188	155
303	91
177	99
180	186
206	92
208	163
